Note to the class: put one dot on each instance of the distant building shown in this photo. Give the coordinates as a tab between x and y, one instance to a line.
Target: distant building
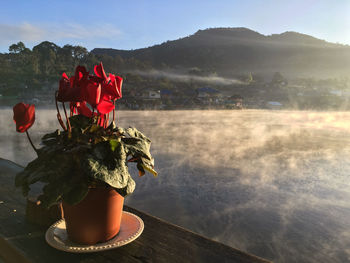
152	94
150	99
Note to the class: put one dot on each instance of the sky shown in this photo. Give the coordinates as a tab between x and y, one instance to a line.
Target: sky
139	23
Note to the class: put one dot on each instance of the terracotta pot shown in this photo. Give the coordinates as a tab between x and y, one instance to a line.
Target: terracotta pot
96	218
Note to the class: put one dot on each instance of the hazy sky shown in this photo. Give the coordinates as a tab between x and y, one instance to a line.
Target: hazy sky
141	23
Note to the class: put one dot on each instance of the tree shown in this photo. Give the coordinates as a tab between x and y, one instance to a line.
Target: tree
79	52
17	48
47	53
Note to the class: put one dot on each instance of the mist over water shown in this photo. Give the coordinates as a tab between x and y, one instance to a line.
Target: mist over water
272	183
180	77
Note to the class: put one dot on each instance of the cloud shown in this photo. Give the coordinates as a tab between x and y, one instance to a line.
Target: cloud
31	33
24	32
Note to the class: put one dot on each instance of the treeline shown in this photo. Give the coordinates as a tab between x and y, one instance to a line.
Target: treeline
26	68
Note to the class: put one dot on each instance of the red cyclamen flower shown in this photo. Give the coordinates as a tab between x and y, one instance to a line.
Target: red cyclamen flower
24	116
67	91
113	89
91	93
84	109
99	71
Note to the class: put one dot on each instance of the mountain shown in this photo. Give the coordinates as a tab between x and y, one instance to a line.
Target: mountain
239	50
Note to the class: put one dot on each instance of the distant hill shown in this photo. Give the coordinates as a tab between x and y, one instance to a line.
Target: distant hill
239	50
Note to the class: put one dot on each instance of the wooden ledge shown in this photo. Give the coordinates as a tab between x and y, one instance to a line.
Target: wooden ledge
22	241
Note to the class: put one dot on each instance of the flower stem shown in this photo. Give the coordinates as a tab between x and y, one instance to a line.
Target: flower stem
67	119
31	143
107	119
93	113
98	120
105	122
114	111
71	111
58	113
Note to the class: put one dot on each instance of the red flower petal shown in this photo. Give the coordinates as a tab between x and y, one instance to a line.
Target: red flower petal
119	82
67	91
71	81
92	93
73	107
64	76
84	110
80	74
99	71
24	116
105	106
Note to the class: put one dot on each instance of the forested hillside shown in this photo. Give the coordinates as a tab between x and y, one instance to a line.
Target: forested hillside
230	51
25	68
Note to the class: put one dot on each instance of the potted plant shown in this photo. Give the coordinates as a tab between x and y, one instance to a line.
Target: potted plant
85	164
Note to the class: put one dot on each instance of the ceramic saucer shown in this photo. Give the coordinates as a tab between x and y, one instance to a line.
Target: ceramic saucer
131	228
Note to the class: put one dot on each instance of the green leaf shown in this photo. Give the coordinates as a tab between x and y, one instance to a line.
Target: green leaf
94	128
79	121
112	126
150	169
129	189
102	150
137	147
75	193
133	132
114	143
112	170
51	194
117	177
52	135
119	130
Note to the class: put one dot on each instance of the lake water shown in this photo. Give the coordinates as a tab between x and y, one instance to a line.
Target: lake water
272	183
